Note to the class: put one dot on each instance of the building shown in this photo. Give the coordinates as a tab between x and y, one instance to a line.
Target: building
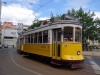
8	34
9	37
20	28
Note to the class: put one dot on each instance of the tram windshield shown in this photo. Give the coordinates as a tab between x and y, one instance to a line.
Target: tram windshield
68	33
78	35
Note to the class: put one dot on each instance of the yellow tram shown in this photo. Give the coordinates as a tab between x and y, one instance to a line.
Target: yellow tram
60	41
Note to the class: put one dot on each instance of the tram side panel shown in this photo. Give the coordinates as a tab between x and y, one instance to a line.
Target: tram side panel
20	48
39	49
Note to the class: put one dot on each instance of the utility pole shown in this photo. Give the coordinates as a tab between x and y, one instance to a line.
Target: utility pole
0	20
0	11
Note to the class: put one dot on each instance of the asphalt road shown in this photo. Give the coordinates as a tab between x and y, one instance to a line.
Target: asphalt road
11	63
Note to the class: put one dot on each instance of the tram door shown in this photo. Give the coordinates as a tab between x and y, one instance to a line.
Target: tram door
56	42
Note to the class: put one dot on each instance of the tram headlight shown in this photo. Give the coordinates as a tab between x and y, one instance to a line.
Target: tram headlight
78	52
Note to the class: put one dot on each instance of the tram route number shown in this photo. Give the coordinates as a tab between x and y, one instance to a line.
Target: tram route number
44	47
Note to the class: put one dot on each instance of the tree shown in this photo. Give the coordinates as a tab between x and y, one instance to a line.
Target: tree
87	21
69	12
52	15
34	25
97	29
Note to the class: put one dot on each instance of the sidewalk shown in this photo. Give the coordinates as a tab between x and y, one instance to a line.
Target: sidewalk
92	53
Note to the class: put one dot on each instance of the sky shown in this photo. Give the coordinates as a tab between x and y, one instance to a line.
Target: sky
25	11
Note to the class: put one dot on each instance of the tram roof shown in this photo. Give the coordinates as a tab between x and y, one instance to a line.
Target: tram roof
67	20
58	24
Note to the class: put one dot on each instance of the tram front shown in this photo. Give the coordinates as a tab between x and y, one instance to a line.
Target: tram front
71	47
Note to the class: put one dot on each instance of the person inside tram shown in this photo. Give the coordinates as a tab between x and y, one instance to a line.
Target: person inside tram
68	38
65	39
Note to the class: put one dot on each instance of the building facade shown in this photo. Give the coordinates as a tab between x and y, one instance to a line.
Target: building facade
9	37
8	34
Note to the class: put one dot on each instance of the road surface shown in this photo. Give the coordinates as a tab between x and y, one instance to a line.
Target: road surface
11	63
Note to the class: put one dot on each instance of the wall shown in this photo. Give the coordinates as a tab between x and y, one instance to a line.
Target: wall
9	36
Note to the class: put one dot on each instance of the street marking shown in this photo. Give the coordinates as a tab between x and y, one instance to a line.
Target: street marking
95	66
24	67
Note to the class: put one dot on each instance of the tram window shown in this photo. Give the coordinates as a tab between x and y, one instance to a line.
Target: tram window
26	39
77	34
40	37
68	34
45	36
21	40
31	38
35	38
59	32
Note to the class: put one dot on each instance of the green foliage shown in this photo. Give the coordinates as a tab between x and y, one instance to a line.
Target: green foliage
52	15
91	27
34	25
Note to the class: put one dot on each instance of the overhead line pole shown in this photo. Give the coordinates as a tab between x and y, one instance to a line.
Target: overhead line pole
0	11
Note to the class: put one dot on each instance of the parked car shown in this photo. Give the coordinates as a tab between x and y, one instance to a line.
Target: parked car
5	46
0	46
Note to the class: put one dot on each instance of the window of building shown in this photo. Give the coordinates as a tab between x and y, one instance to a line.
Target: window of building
8	37
13	33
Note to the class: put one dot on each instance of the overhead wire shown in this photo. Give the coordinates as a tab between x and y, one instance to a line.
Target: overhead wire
43	5
39	7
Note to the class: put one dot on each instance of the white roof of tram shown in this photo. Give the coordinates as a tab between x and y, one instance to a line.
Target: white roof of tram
72	22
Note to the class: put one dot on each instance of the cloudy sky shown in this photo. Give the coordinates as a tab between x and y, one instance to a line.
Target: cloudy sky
25	11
